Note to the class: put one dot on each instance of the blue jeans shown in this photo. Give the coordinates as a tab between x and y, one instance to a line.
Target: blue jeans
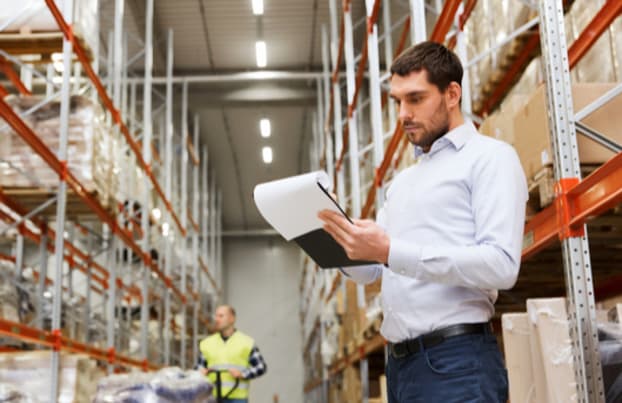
235	401
462	369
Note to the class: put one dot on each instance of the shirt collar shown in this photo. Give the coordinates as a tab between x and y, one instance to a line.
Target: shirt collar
458	137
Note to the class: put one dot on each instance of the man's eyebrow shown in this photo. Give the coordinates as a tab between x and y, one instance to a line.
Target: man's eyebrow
410	94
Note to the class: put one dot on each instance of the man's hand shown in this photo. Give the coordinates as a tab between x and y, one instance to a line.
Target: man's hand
204	371
362	239
235	373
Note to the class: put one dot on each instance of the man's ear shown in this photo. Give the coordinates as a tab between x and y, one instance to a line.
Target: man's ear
453	94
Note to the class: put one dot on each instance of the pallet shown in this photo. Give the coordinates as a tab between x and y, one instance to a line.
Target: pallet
31	198
38	43
373	328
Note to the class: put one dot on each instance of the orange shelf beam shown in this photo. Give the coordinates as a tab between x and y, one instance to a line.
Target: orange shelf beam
598	192
56	341
209	275
601	21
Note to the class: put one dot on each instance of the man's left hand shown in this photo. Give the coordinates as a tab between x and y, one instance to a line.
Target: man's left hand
235	373
361	239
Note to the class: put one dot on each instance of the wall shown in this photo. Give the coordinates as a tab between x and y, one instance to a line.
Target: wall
262	277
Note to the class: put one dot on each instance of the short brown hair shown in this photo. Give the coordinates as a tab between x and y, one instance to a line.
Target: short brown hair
441	64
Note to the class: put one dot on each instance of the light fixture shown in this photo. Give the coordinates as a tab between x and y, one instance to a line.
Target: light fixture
264	128
257	7
260	50
157	214
266	153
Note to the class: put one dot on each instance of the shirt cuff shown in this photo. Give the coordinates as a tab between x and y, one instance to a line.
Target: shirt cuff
404	257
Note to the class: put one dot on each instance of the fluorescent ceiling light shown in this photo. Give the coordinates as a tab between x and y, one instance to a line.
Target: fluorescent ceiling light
260	50
266	153
257	7
264	127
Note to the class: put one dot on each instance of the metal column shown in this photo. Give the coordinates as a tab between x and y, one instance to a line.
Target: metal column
109	245
168	174
195	242
61	203
418	31
375	106
184	215
43	273
575	248
388	55
324	128
219	240
355	178
146	208
461	51
337	123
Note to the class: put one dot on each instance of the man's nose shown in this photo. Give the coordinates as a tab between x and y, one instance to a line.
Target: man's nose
404	113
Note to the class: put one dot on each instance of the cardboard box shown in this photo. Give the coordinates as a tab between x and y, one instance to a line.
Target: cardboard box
500	124
517	349
551	345
531	128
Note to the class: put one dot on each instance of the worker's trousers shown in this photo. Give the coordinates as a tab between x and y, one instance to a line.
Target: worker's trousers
462	369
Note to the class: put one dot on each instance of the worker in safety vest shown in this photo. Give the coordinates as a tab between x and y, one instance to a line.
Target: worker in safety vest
232	353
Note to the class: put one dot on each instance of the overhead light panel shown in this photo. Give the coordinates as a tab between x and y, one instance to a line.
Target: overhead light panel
266	153
260	50
257	7
264	128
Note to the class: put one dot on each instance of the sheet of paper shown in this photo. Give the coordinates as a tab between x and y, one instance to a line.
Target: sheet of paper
291	205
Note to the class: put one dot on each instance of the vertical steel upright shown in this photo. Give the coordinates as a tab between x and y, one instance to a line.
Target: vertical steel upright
388	56
355	178
375	106
212	226
219	239
43	273
337	121
324	129
575	248
184	216
61	204
168	175
205	208
418	29
146	203
196	191
461	51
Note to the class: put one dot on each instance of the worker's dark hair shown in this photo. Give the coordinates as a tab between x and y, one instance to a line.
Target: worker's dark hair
441	64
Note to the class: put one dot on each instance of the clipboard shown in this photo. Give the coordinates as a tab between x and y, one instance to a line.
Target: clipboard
290	206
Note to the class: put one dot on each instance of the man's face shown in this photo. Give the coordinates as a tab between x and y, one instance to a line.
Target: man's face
422	108
223	318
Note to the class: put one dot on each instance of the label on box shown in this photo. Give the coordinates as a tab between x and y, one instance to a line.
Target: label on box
544	156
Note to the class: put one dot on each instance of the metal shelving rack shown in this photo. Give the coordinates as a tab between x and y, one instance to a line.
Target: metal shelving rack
577	200
104	247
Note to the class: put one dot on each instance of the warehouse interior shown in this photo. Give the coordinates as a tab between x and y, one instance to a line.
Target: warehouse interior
134	132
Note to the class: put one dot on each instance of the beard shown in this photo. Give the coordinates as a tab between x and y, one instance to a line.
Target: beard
437	128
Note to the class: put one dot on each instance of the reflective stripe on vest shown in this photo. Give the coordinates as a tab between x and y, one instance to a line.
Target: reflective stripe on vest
224	356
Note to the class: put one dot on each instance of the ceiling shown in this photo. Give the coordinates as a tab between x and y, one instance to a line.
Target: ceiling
218	37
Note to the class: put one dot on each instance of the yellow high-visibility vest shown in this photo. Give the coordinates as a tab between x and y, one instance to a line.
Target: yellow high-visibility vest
223	355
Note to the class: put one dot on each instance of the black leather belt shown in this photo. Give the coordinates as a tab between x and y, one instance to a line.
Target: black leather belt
429	340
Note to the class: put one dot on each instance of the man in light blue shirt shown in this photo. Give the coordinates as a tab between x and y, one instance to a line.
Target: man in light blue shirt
448	237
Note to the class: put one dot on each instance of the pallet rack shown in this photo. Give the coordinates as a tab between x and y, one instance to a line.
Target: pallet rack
578	201
103	242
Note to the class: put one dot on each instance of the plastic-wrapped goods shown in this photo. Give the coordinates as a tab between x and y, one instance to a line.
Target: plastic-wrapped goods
610	345
34	16
13	394
89	156
165	386
30	371
8	293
